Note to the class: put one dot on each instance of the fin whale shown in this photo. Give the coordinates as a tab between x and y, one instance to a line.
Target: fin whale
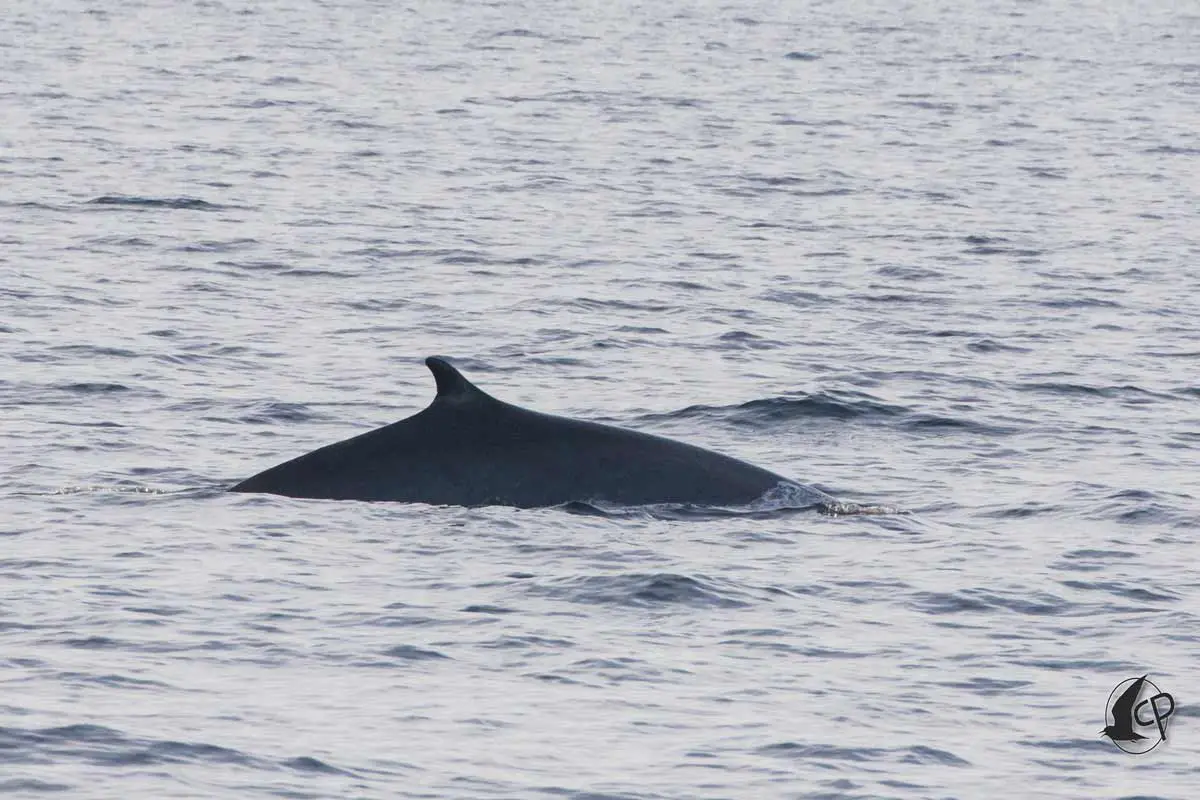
470	449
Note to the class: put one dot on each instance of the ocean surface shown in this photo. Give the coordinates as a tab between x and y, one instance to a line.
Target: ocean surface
936	256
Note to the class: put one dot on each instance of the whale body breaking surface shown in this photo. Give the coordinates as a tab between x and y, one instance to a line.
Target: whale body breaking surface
470	449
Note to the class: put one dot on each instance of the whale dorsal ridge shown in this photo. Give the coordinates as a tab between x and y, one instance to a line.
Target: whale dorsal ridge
451	385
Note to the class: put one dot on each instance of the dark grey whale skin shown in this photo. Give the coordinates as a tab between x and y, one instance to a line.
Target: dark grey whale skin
470	449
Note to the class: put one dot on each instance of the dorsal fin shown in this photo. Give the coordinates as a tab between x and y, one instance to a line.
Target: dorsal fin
451	385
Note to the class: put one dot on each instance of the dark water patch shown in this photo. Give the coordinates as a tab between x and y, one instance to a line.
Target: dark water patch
643	590
744	340
909	273
122	241
30	785
983	601
408	652
778	180
256	266
822	653
1045	173
997	245
1078	666
527	642
1024	511
89	351
1136	594
760	187
1077	302
171	752
907	299
1098	555
918	754
488	609
757	632
642	330
112	681
98	643
798	298
12	625
1173	150
263	102
1131	395
933	422
313	765
518	33
317	273
1137	511
173	203
797	55
993	346
575	794
278	413
157	611
989	687
99	745
93	388
228	246
921	754
771	412
620	670
622	305
929	105
377	304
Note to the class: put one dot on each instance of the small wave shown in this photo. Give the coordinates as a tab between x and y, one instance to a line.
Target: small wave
1078	302
30	785
744	340
907	272
176	203
93	388
1128	394
974	600
96	744
644	590
1136	594
408	652
228	246
310	764
993	346
793	297
518	33
935	422
917	754
485	608
1024	511
771	411
593	304
987	687
271	413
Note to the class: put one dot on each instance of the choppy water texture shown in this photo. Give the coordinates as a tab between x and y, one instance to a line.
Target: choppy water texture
933	255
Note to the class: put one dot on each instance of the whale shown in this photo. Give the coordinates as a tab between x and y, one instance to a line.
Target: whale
469	449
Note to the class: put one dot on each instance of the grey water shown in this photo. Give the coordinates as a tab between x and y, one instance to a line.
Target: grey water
936	256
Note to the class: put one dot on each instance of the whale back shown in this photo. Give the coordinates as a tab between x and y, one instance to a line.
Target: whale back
468	448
